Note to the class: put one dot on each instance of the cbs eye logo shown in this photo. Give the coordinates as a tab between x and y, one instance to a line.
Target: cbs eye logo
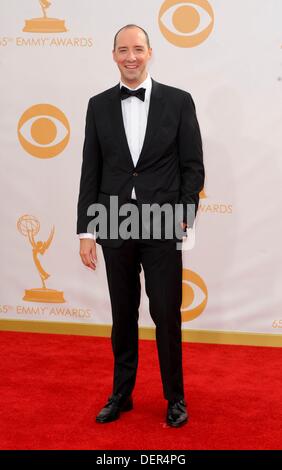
194	299
186	24
47	127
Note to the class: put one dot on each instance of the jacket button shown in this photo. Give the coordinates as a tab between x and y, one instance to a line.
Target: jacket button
135	174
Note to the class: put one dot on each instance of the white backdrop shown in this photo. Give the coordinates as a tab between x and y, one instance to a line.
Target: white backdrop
232	278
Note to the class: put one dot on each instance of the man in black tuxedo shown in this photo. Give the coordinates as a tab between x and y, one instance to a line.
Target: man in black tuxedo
142	145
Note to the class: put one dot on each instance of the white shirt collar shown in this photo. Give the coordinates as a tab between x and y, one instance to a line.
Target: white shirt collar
147	84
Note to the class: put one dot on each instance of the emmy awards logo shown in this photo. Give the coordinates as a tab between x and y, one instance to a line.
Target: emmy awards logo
44	24
29	227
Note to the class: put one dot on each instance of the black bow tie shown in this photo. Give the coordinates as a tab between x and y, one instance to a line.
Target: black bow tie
126	93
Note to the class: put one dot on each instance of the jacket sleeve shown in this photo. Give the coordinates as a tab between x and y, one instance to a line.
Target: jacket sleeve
190	150
90	171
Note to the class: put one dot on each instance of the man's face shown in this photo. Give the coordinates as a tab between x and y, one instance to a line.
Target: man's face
132	55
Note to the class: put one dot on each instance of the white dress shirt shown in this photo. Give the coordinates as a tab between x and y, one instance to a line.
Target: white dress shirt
135	116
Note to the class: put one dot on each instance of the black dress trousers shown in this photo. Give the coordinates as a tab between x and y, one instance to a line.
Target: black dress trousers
162	265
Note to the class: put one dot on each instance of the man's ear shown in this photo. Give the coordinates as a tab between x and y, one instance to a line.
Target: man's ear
114	55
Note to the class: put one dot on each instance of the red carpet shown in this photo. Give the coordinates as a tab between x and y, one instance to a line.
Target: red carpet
52	386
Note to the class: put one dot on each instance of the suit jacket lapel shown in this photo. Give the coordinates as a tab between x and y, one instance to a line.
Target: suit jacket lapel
119	133
154	118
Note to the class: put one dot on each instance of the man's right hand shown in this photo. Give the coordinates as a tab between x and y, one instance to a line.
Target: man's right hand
88	252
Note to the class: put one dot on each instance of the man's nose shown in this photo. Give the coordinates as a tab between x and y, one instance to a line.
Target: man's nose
131	56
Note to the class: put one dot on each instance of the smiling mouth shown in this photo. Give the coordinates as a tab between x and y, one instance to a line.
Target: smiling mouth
131	67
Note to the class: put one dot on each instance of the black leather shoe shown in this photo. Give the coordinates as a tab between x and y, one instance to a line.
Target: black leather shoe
113	407
176	413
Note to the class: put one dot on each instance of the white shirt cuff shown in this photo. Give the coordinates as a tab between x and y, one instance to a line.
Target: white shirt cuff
92	236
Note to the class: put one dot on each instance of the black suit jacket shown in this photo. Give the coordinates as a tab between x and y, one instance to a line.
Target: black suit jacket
170	167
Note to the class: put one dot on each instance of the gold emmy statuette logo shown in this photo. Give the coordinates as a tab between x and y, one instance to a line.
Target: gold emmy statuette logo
44	24
194	300
186	23
29	227
49	129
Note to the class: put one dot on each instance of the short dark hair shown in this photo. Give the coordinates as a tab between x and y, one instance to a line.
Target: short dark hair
128	26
